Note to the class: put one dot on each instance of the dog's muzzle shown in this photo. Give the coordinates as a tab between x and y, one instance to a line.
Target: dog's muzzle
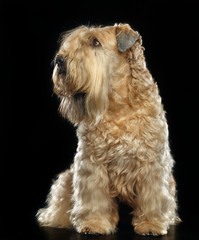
59	61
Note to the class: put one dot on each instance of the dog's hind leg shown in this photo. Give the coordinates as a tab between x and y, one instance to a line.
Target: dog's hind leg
57	212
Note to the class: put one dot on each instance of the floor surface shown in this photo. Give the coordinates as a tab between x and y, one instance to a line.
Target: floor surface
183	231
187	230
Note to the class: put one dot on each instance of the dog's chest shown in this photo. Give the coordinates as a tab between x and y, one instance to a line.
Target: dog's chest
109	144
113	148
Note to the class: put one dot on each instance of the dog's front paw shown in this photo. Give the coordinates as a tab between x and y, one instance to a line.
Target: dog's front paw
95	228
148	228
87	230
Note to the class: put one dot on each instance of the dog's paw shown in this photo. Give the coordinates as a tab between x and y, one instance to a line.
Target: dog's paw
87	230
149	229
95	228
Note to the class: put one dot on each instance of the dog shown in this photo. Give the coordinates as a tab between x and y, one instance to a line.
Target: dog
123	152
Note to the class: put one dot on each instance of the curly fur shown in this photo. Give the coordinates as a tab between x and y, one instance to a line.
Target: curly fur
123	150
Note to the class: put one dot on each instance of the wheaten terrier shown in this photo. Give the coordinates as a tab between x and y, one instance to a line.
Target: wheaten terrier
106	90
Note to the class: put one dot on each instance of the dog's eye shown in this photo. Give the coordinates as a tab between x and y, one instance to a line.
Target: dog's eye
95	43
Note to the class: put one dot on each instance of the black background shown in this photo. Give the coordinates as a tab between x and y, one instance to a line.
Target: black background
37	143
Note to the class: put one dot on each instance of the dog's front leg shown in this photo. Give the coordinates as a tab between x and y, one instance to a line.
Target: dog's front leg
94	211
155	208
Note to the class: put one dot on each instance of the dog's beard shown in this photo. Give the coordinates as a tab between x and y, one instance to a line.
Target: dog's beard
79	100
72	104
73	107
78	107
59	81
65	85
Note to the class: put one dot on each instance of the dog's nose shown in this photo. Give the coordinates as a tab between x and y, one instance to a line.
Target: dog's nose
59	61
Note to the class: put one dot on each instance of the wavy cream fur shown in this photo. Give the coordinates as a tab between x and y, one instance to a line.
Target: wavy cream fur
123	150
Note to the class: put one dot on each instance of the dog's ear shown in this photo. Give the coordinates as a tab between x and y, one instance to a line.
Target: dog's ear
126	37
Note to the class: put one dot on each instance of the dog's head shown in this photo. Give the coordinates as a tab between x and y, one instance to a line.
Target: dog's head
87	64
